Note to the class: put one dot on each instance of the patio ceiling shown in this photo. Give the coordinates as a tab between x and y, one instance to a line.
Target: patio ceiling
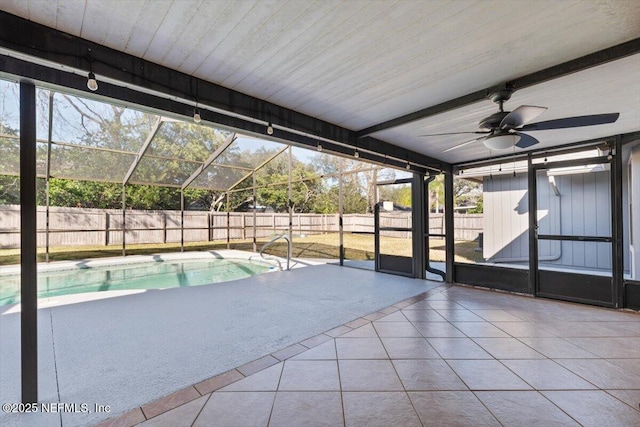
358	64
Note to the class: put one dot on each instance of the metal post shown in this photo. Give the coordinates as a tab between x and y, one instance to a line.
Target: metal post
228	224
290	204
418	211
449	228
48	176
28	245
376	236
124	220
617	250
533	225
340	209
254	210
181	221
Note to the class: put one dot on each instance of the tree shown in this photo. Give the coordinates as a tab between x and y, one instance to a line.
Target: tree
398	194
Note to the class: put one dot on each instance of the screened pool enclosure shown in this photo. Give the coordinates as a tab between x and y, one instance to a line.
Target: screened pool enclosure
238	190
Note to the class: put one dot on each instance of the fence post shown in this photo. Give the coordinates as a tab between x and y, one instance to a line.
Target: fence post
164	227
106	228
210	220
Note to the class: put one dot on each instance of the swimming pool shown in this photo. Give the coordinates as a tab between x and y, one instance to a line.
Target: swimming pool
158	274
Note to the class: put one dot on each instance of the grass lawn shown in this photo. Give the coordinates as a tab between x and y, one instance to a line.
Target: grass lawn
357	247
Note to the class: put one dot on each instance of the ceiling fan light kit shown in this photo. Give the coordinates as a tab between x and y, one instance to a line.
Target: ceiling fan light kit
501	142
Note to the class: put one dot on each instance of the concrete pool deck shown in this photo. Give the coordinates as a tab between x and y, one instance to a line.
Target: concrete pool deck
128	350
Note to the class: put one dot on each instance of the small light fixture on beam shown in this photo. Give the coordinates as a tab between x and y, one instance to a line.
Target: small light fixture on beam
356	154
269	129
196	115
319	147
408	166
92	83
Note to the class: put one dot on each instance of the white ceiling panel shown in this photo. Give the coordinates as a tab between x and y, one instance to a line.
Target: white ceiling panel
151	16
174	33
358	63
69	15
608	88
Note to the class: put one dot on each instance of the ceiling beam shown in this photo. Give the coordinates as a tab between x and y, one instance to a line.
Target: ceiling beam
631	47
48	47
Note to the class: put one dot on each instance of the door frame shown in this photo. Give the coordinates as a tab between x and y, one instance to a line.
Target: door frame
571	284
392	264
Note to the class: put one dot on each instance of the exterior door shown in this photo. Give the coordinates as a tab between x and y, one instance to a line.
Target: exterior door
393	229
572	255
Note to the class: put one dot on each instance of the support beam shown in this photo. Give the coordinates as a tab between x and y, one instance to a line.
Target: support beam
592	60
28	245
124	219
48	176
38	44
255	197
181	220
616	225
419	208
532	190
210	160
340	209
143	149
289	195
228	223
449	228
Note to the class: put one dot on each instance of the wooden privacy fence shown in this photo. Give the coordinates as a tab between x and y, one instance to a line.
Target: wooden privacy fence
103	227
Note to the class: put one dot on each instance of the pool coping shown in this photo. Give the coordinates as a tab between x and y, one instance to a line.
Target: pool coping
188	394
137	259
130	260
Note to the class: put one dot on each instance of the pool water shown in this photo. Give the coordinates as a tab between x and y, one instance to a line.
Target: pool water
147	275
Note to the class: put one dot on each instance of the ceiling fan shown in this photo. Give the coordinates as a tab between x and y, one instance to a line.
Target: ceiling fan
504	129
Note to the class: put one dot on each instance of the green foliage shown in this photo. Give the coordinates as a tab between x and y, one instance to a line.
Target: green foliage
398	194
9	190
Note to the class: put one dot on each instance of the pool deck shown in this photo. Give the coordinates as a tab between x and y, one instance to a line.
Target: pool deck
127	349
452	356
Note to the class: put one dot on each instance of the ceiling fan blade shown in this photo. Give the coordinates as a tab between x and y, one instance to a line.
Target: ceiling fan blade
526	141
521	116
457	133
573	122
463	144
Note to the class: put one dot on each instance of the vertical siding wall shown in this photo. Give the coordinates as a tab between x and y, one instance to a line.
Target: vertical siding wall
580	207
585	210
506	220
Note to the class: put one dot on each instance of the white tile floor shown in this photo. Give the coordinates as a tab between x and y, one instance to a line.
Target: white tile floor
460	357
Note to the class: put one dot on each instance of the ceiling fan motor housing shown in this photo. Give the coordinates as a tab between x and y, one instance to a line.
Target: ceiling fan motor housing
493	121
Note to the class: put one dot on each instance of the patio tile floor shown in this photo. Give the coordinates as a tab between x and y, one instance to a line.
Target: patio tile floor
456	356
